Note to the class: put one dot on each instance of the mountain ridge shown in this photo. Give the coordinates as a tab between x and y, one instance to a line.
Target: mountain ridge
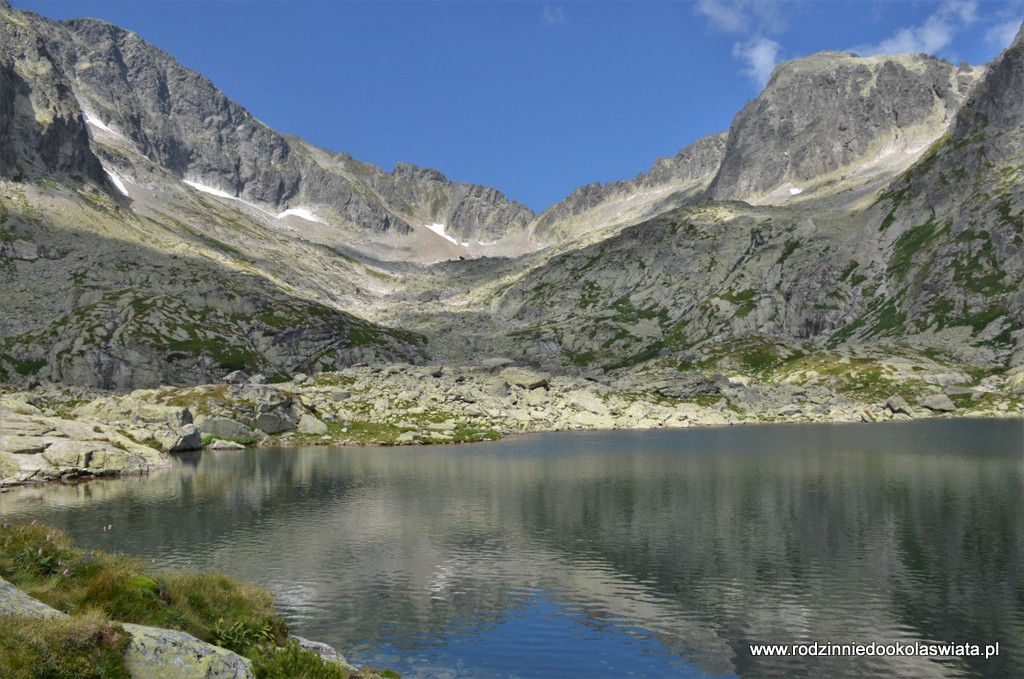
802	230
180	121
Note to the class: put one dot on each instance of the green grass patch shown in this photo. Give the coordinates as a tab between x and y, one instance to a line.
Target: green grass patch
227	356
42	561
294	662
82	647
627	313
790	247
744	300
648	353
28	367
200	400
581	358
676	338
912	243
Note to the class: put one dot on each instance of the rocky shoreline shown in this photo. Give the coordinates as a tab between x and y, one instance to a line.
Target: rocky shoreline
67	433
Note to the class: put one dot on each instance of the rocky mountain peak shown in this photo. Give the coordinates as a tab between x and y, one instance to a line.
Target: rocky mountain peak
1019	39
412	172
833	111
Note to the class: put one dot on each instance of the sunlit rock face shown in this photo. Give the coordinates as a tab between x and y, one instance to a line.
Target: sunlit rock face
831	113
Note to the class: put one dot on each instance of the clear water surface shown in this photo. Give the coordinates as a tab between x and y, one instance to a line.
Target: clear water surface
611	554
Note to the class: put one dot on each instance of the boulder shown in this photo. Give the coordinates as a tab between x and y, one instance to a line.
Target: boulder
308	424
152	653
155	653
585	401
17	406
273	423
495	363
225	445
526	379
325	651
223	427
15	602
939	403
236	377
1015	380
185	438
897	405
37	448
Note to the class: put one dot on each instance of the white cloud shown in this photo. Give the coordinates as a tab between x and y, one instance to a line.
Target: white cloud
553	15
965	10
1001	35
724	16
741	16
754	19
937	31
761	55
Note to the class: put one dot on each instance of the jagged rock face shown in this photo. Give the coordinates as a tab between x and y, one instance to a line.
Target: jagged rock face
41	128
834	111
171	286
697	161
685	173
181	121
467	210
95	296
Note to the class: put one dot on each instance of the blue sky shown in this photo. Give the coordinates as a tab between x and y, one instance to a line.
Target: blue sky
532	98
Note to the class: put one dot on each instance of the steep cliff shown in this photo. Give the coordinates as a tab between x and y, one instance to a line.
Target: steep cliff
41	127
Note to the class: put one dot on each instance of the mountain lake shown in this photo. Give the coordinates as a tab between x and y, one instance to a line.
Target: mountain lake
606	554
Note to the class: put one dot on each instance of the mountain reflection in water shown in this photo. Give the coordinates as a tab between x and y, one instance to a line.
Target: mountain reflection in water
653	554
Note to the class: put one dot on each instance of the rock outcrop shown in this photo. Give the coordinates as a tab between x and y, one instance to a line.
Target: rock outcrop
36	447
156	653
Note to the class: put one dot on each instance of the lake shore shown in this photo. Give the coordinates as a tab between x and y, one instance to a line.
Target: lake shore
72	611
54	433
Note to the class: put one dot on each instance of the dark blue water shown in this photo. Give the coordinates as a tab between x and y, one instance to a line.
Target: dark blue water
641	554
